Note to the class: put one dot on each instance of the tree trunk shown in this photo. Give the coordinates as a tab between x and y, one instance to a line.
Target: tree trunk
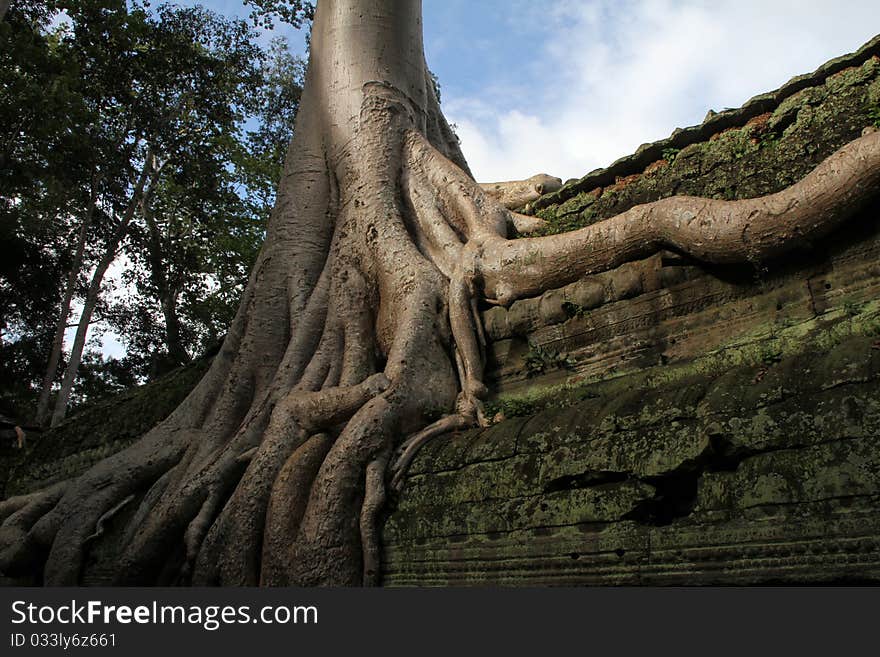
70	286
166	293
173	341
358	328
91	300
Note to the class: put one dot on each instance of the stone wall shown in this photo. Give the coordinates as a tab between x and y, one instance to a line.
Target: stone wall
662	423
667	423
95	432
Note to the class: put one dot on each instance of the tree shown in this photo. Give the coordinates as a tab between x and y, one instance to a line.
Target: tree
47	182
358	328
202	225
145	102
84	95
185	73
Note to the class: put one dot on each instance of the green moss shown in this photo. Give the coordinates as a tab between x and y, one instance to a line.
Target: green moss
100	430
562	219
765	346
746	161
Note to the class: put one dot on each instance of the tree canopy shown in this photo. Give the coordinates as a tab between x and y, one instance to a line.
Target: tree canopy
93	90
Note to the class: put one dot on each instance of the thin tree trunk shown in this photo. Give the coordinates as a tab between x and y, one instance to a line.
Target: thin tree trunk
58	341
4	7
173	341
91	300
167	295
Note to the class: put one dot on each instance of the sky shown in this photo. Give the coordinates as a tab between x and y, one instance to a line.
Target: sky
567	86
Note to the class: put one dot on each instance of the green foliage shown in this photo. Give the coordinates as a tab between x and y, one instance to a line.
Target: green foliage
87	97
874	115
435	84
540	359
264	13
669	154
204	220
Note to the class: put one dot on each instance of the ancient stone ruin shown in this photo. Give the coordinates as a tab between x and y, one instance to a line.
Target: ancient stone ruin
662	423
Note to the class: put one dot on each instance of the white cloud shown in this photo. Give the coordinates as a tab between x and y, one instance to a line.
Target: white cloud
619	74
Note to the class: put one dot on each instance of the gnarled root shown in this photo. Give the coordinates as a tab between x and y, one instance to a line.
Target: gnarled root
515	194
19	548
273	470
713	231
414	443
374	500
231	553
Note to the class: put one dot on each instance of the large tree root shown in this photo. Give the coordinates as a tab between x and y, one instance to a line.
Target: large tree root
359	328
713	231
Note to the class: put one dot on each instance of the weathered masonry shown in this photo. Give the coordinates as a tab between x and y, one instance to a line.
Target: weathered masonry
662	423
668	423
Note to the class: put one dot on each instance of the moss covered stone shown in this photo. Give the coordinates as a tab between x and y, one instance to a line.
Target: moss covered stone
98	431
717	426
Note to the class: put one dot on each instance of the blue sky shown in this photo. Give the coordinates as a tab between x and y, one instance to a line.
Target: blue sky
566	86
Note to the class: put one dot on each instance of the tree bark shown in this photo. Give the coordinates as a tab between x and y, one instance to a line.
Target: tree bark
358	330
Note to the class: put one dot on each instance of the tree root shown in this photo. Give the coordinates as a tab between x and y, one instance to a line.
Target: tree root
719	232
515	194
525	224
19	547
414	443
99	526
287	505
374	500
360	325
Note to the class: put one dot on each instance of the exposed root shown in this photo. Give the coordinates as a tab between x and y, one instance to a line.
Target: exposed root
152	496
287	504
63	529
525	224
374	500
749	230
232	555
515	194
19	548
465	333
13	504
247	456
99	527
414	443
199	526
